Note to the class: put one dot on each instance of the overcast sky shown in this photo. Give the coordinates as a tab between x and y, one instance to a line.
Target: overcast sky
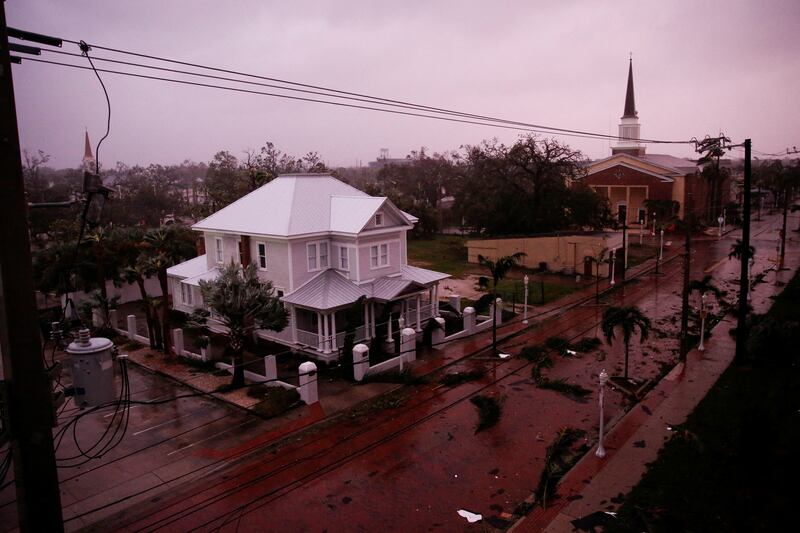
699	68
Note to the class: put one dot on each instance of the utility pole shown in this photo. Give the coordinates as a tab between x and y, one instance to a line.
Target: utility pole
741	324
30	400
687	261
786	191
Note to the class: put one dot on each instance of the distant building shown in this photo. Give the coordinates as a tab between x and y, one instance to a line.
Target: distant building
384	161
630	176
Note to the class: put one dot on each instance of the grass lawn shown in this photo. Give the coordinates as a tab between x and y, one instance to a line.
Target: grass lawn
442	253
733	465
513	291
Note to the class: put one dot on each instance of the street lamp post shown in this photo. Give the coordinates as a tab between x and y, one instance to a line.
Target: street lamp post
654	224
661	246
702	346
525	308
613	264
641	231
601	451
721	221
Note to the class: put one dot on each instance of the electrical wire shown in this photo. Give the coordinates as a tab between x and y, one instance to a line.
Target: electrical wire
85	51
303	99
337	93
480	120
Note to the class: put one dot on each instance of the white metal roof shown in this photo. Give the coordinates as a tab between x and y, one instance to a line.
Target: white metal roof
190	268
330	289
297	204
327	290
208	275
421	275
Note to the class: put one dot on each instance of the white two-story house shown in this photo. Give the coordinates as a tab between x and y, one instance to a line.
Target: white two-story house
324	245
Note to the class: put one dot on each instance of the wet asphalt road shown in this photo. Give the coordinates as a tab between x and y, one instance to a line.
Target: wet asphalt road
411	468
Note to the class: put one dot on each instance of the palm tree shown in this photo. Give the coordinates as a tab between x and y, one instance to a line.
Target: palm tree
628	319
705	285
737	250
241	302
166	247
498	269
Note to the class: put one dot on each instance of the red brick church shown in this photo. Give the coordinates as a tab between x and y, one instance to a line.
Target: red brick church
630	175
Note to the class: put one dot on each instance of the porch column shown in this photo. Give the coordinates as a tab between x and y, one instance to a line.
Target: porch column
436	298
320	333
389	329
333	331
367	329
293	322
373	334
326	334
419	313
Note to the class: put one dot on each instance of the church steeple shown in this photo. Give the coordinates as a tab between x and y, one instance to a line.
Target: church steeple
630	103
629	127
88	158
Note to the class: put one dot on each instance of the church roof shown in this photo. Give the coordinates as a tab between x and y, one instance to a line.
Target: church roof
630	104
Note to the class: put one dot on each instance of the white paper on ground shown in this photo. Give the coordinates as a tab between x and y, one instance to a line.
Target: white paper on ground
471	517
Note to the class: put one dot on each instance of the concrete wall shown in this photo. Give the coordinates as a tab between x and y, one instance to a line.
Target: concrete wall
561	253
128	292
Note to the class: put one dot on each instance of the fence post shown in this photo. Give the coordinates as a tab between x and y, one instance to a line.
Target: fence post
177	341
270	368
408	344
497	309
360	361
132	327
469	320
437	335
455	302
308	382
113	318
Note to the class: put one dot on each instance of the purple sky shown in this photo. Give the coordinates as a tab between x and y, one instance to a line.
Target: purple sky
699	67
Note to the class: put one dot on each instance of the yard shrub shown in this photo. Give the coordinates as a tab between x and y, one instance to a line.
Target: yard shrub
273	401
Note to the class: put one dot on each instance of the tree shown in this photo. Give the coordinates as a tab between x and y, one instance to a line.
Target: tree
241	303
627	319
598	260
498	269
224	180
523	188
166	247
705	285
737	250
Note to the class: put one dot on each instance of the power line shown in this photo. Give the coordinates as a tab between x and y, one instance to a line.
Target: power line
537	128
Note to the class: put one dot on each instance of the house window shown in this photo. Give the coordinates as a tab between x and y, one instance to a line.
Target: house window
344	258
262	255
642	215
317	251
312	256
218	243
323	255
379	255
379	219
186	294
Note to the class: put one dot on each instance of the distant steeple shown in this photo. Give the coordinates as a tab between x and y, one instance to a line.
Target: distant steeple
630	103
629	127
88	158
